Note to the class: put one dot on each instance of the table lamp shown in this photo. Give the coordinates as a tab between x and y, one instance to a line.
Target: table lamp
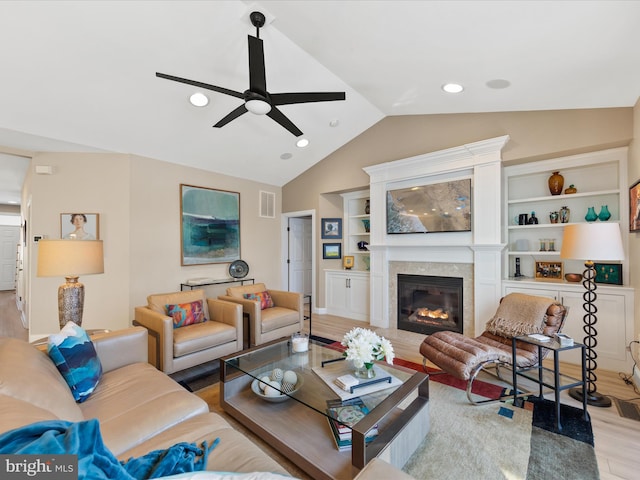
589	242
70	259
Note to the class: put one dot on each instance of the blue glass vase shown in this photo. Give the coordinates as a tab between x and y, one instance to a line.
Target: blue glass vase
591	215
604	214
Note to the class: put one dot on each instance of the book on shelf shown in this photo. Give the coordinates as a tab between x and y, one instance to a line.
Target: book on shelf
342	416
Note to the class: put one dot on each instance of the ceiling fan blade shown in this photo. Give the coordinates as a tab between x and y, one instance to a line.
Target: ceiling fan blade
232	116
195	83
305	97
257	76
279	117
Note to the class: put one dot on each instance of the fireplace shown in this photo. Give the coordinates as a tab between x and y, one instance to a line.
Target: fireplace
428	304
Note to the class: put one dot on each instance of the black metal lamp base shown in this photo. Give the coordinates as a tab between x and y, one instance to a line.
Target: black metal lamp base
594	398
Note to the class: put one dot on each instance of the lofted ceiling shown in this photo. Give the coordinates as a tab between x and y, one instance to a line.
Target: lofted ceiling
80	75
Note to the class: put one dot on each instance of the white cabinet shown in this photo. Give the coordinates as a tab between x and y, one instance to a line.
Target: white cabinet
600	179
347	294
357	227
615	319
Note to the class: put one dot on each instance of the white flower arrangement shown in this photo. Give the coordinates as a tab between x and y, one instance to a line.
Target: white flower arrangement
365	346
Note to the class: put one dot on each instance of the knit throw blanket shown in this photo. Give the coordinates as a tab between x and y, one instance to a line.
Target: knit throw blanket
95	460
519	314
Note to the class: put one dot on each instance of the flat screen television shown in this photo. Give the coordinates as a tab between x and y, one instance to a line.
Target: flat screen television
438	207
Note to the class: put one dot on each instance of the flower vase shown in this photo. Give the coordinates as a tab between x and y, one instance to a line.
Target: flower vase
366	371
591	215
604	214
556	182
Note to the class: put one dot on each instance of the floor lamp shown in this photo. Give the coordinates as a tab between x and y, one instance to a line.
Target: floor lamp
590	241
70	259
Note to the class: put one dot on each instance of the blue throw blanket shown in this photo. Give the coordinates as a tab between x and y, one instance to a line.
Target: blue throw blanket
95	460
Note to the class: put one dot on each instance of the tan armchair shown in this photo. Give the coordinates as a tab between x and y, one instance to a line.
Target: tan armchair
174	349
283	319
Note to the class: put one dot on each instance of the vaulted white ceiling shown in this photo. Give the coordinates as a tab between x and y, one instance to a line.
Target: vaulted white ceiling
81	74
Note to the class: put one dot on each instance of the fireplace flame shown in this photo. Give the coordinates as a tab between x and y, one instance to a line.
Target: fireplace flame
428	313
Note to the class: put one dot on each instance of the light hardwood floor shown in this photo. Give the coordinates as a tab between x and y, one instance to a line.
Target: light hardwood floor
617	439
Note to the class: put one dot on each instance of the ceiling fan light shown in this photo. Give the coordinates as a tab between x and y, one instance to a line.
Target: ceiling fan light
199	100
258	107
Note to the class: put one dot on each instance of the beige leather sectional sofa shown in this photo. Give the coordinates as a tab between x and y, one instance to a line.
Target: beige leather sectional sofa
140	409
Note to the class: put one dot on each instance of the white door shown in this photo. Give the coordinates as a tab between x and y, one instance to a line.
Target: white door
9	238
300	255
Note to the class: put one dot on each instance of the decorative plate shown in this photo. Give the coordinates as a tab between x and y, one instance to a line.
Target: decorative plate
238	269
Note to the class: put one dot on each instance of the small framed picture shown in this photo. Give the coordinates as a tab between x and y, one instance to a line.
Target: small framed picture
549	271
332	228
347	262
80	226
332	251
634	207
610	273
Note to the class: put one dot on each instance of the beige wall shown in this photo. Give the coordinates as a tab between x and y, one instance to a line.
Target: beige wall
138	201
533	136
634	238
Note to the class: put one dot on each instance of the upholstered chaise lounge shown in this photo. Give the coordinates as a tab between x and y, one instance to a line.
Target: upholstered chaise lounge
518	314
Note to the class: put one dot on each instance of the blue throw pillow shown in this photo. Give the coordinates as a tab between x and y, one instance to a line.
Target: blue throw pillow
74	355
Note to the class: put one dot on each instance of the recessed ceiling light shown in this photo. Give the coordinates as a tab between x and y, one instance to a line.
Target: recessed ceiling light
199	100
334	123
452	87
498	83
286	156
303	142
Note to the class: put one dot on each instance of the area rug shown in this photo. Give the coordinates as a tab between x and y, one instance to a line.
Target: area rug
494	441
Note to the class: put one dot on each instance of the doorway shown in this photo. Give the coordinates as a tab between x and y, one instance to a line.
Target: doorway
298	249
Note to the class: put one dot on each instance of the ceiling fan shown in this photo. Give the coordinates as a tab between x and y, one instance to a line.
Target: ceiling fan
257	99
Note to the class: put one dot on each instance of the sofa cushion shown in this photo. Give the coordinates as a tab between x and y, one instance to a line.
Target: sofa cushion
278	317
159	301
136	402
263	297
29	375
75	357
202	336
238	292
184	314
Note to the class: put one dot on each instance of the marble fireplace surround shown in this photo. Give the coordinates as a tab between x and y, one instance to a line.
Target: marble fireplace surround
475	256
457	270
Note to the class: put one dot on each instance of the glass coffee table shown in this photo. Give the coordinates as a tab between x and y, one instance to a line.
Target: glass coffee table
298	426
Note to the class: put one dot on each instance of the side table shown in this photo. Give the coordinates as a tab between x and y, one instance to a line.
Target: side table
551	378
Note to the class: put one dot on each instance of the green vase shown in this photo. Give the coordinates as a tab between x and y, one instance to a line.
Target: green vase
604	214
591	215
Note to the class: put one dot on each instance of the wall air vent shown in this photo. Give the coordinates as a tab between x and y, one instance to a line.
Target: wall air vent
267	204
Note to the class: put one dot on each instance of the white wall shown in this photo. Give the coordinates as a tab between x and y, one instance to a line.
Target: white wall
138	201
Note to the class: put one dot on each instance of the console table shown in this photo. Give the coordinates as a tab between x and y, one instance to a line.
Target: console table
241	281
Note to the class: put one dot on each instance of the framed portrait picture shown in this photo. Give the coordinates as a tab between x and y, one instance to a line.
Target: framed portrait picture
549	271
331	228
80	226
210	225
634	207
610	273
332	251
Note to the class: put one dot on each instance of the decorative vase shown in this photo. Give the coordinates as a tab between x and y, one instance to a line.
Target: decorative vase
553	217
533	220
604	214
556	182
591	215
367	207
565	214
367	225
570	190
366	371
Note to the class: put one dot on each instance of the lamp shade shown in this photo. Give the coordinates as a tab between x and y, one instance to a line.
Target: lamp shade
592	241
63	258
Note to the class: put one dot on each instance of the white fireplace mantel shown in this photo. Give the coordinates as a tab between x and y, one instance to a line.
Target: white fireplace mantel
482	247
